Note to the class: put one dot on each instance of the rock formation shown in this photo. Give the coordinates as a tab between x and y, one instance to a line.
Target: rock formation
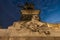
29	26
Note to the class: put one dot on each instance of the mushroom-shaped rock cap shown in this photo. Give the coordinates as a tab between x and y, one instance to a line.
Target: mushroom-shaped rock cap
29	6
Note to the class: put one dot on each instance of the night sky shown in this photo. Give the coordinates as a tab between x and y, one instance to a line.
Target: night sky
9	11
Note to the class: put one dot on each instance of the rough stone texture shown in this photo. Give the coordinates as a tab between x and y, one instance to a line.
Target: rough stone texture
35	38
4	34
31	30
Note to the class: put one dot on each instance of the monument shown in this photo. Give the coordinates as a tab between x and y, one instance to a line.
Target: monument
30	27
30	20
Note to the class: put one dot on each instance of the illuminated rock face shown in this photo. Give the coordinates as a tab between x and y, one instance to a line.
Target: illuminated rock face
30	26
